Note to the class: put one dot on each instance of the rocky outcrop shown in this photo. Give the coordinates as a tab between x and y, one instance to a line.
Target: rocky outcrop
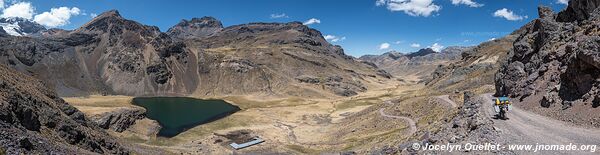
34	120
555	64
578	10
120	120
470	125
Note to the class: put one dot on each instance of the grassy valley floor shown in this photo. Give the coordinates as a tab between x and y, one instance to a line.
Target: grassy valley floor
292	125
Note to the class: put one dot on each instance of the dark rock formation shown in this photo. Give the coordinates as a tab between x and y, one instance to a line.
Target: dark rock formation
34	120
121	119
555	63
578	10
421	52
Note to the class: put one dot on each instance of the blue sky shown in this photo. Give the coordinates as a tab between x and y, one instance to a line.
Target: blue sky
360	26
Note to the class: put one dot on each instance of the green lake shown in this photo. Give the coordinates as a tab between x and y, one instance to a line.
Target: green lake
177	114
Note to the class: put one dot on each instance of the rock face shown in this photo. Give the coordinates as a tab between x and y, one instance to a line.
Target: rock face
420	63
555	63
34	120
113	55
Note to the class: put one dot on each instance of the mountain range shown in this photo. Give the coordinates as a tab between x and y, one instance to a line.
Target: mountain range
114	55
416	65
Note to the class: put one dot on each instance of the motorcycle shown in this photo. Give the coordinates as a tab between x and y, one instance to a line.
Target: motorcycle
502	106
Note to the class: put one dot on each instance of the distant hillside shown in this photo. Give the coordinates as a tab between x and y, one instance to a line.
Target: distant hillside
418	64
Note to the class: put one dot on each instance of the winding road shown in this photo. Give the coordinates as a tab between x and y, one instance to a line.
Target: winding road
411	123
527	128
446	99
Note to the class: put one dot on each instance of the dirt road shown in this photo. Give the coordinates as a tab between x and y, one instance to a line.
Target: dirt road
446	99
411	123
525	127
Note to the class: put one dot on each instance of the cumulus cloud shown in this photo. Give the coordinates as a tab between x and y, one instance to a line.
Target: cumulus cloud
436	47
21	9
312	21
469	3
415	45
1	4
384	46
333	38
93	15
282	15
491	39
57	16
399	42
563	2
411	7
508	15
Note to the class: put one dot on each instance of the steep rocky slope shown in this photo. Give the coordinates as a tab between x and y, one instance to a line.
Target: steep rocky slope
420	63
555	64
475	70
113	55
34	120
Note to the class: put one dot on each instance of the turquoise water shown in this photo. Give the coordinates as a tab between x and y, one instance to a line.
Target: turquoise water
177	114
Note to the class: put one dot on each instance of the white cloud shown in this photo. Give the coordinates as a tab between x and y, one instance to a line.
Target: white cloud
492	39
399	42
312	21
1	4
333	38
282	15
411	7
384	46
57	16
415	45
436	47
563	2
508	15
21	9
469	3
93	15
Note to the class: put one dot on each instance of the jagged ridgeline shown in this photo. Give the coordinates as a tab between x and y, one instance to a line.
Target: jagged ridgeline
113	55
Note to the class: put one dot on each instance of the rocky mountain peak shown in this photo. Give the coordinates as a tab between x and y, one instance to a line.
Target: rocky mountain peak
20	26
421	52
110	13
113	23
195	28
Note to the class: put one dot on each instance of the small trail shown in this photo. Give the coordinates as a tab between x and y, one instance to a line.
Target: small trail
447	100
411	123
